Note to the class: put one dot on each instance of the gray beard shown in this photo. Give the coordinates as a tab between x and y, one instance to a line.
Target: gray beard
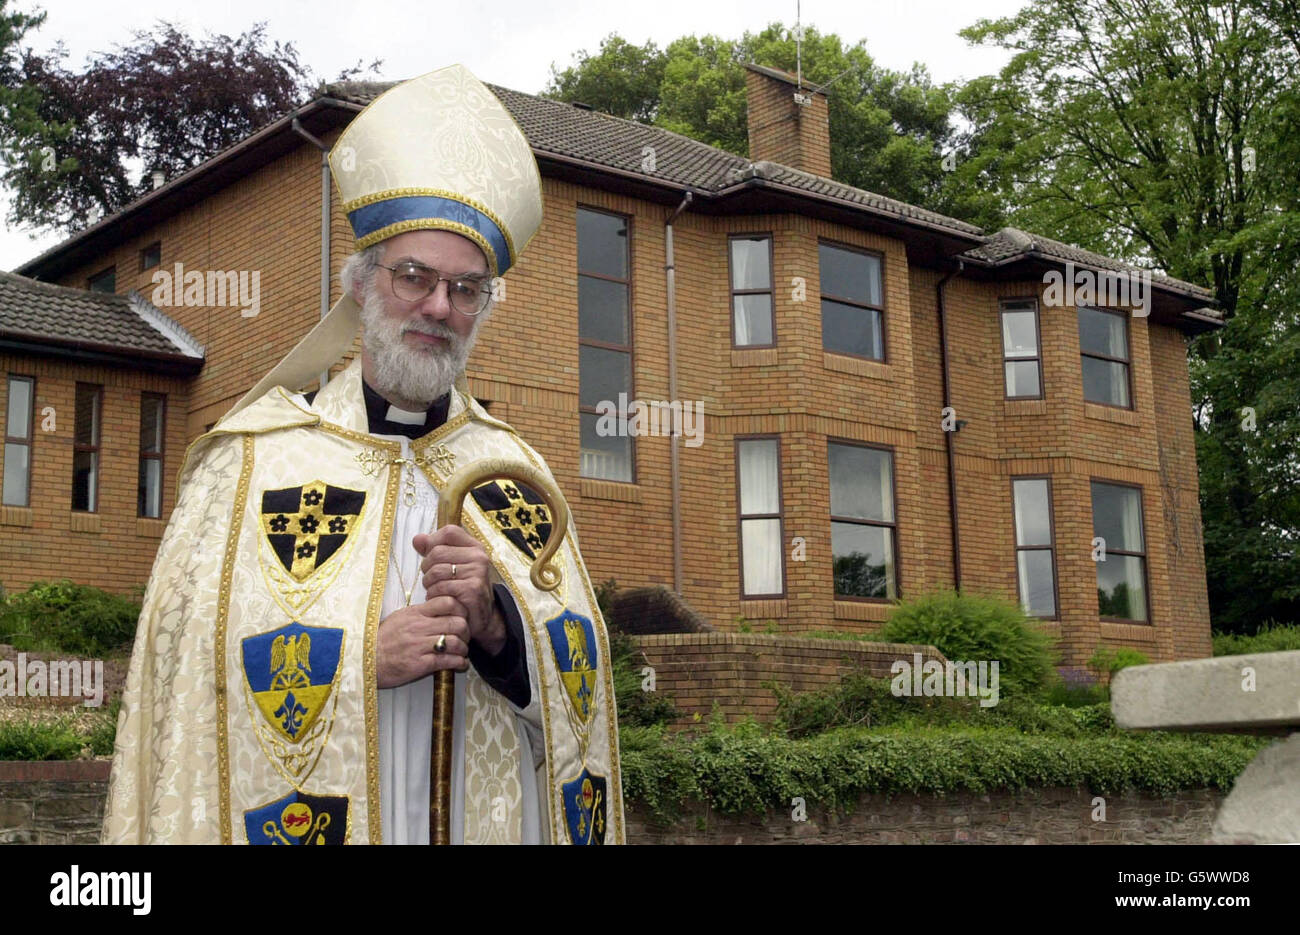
414	374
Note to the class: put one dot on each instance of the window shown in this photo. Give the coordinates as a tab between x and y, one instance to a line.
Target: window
750	260
19	415
1121	578
604	344
758	482
1103	341
153	414
1021	357
862	521
105	281
151	256
852	309
1035	562
85	448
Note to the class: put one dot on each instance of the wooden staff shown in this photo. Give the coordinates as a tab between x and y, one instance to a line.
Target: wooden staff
545	576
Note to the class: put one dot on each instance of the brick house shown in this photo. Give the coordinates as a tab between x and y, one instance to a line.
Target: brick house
825	331
92	382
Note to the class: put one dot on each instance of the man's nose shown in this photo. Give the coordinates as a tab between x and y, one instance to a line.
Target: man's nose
437	304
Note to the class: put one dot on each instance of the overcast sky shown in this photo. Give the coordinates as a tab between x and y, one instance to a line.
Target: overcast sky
516	42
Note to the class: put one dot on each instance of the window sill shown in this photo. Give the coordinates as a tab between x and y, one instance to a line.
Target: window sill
1110	414
1024	407
15	516
1123	632
84	522
610	490
149	528
863	610
771	608
753	357
858	366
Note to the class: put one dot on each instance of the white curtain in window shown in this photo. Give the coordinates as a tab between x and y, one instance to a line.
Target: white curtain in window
760	538
758	477
742	323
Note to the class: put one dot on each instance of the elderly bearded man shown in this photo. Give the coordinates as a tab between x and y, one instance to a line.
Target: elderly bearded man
281	688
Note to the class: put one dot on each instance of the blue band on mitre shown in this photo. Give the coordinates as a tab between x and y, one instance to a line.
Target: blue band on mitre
372	217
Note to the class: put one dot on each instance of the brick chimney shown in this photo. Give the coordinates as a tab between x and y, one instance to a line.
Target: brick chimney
780	128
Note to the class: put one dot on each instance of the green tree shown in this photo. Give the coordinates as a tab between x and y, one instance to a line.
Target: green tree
889	129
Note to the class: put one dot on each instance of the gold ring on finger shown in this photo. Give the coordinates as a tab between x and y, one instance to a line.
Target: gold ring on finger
441	645
453	570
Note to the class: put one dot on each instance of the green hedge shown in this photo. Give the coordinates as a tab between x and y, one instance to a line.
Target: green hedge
746	769
63	617
60	738
1271	638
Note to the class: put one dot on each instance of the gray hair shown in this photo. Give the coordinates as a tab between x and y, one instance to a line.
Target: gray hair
360	268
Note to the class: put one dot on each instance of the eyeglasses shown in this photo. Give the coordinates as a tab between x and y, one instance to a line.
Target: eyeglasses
412	282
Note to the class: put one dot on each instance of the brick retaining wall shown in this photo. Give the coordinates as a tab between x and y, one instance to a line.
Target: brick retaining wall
696	670
63	803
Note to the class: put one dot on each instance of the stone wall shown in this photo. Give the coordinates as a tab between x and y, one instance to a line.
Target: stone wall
63	803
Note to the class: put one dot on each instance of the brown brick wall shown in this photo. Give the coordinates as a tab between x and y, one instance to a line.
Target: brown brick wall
110	548
733	671
780	130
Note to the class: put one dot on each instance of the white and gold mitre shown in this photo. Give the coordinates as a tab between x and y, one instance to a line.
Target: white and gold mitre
440	152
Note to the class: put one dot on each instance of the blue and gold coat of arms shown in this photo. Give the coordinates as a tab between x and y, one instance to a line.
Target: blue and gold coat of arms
299	818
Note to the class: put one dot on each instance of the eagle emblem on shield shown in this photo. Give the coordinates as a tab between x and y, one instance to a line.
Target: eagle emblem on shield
291	672
573	640
307	525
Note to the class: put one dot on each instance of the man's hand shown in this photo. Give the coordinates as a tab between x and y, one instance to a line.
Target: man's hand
407	638
456	567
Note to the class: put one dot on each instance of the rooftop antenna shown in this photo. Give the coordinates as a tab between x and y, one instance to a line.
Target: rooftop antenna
799	96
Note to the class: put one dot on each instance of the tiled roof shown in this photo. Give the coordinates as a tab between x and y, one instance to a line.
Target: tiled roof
615	143
59	314
1010	244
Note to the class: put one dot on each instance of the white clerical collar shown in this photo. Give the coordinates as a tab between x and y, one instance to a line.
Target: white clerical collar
405	417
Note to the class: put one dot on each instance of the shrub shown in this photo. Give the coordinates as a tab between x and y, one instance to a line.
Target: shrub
1270	638
61	616
968	627
635	707
1109	661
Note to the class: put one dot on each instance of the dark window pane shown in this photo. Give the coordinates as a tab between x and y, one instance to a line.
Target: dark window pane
104	282
86	430
1102	333
17	465
761	547
850	330
151	256
847	274
150	493
602	375
18	424
602	310
753	319
861	483
750	268
1121	588
151	425
1019	334
607	457
1105	381
85	465
863	558
602	244
1033	513
1036	592
1117	517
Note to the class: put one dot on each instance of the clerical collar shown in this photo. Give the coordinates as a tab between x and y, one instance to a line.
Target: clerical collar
386	419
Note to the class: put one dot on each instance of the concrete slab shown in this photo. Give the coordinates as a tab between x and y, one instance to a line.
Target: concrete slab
1256	693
